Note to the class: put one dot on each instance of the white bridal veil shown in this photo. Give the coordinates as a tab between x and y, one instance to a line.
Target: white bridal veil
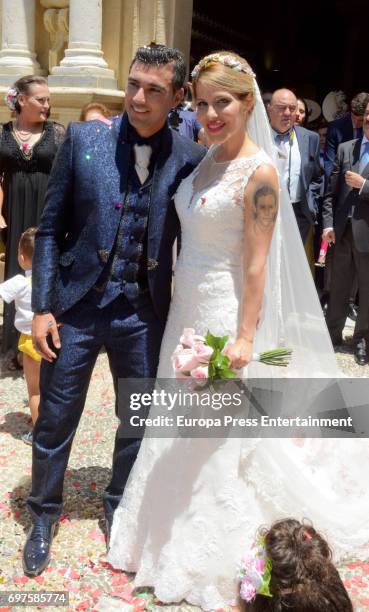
292	315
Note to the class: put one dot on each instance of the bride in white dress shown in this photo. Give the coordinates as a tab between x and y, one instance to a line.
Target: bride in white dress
192	506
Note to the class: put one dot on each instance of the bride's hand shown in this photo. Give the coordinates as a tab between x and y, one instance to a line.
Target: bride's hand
239	353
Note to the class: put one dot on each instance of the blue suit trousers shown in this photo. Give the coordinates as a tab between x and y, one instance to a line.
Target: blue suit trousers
132	338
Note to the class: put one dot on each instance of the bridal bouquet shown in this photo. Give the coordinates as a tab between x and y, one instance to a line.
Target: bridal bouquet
202	357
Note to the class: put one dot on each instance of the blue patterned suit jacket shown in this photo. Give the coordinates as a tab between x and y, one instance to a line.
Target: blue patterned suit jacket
84	200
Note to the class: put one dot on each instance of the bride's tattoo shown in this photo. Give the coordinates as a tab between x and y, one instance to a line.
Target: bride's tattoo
265	207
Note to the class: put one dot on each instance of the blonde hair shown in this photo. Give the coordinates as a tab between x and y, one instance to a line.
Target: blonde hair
227	70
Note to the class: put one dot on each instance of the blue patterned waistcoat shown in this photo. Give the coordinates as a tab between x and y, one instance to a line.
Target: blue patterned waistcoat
125	271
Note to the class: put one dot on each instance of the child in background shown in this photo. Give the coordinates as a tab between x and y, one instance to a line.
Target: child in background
302	575
19	289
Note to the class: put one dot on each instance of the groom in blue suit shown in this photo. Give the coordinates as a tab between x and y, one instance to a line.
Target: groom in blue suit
102	273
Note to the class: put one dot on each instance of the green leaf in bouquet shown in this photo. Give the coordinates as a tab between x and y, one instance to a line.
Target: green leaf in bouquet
211	370
226	373
216	342
218	360
264	588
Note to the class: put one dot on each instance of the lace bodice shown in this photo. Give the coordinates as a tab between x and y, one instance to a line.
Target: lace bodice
12	159
210	206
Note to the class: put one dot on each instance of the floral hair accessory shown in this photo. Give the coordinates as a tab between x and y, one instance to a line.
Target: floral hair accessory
11	98
227	60
255	572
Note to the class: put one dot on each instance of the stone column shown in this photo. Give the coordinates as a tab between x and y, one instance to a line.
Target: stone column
84	64
166	22
17	55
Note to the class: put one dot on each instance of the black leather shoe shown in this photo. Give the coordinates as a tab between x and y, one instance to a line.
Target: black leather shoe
352	311
36	553
361	355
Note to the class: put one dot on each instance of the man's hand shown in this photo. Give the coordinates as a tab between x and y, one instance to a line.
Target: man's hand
329	235
42	326
354	180
2	222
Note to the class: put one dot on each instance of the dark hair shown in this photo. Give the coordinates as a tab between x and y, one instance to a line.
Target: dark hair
303	578
23	86
160	55
307	112
359	103
27	242
93	106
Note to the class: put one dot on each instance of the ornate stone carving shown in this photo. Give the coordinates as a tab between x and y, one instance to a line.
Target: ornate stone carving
56	22
58	4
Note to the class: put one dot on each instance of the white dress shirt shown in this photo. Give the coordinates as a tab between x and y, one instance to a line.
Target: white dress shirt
289	162
18	289
362	149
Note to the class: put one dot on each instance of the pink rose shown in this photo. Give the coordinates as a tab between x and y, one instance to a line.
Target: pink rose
185	361
203	350
201	372
247	560
178	350
247	591
260	565
188	337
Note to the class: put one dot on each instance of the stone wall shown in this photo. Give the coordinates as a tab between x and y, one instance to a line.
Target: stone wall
84	46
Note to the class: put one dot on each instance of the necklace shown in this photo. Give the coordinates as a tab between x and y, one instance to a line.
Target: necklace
23	138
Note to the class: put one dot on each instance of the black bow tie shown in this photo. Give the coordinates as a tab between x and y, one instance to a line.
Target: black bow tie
152	141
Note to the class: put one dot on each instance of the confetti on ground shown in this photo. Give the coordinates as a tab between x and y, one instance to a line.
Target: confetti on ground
78	552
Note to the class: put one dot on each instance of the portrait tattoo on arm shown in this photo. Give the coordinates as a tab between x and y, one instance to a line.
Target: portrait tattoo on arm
265	207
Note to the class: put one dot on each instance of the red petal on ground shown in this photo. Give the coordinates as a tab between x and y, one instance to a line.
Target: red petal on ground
353	565
71	574
120	580
97	535
20	579
39	579
118	593
84	605
77	484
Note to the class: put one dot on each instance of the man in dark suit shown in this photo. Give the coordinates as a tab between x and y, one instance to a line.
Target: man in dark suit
343	129
346	224
102	273
298	159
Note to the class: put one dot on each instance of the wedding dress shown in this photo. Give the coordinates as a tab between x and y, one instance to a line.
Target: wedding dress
192	507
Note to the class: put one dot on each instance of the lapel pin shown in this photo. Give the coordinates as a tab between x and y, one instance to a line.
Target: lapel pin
117	205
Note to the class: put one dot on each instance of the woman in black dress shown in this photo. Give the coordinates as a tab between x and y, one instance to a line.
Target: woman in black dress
28	145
